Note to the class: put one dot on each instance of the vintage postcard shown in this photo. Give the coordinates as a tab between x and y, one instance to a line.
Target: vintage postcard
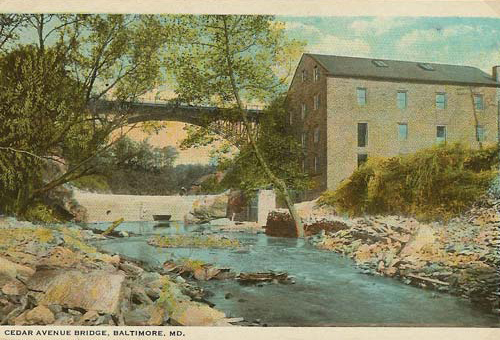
288	169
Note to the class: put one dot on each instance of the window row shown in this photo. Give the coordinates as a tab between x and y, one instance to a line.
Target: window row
316	74
402	131
441	99
305	137
315	164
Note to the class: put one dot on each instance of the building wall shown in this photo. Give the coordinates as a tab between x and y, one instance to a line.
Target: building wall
382	115
303	92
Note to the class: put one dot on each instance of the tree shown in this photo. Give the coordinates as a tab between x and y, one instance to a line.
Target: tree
232	60
39	103
281	150
9	25
49	88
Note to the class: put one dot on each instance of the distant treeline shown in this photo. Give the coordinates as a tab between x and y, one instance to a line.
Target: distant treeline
138	168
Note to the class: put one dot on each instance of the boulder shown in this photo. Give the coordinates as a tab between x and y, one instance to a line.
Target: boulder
14	287
10	270
208	208
97	290
137	317
146	316
39	315
205	273
60	257
131	269
188	313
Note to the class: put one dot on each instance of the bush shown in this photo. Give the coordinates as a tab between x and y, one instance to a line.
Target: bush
39	212
433	184
94	183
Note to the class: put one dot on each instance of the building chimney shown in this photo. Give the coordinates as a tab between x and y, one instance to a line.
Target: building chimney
496	73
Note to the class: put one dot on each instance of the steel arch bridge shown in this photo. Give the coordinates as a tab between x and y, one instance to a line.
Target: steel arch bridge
217	120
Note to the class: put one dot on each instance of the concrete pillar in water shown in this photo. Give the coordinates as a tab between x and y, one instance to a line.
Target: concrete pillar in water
266	201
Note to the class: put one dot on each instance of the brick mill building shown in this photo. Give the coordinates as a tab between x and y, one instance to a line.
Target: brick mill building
345	110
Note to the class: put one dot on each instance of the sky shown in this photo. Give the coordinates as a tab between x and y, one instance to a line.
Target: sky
461	41
449	40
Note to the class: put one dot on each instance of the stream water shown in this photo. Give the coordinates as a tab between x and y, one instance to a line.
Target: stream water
329	289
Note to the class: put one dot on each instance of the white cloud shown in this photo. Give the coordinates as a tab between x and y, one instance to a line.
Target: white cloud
378	26
294	25
458	44
330	44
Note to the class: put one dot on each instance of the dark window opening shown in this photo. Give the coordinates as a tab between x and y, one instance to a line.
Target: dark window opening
441	133
362	134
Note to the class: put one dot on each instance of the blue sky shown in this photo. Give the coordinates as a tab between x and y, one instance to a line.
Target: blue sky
461	41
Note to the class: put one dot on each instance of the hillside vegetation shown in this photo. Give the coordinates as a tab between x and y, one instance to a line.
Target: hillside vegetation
433	184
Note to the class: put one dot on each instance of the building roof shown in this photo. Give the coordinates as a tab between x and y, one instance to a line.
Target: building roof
354	67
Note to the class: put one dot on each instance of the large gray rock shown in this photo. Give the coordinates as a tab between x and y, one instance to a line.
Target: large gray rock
10	270
208	208
98	290
39	315
188	313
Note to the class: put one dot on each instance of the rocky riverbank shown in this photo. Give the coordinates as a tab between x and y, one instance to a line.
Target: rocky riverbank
461	257
51	275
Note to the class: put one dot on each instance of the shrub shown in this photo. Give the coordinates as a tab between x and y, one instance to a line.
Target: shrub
94	183
40	212
433	184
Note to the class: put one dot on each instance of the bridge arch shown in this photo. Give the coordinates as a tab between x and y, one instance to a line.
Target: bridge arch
204	116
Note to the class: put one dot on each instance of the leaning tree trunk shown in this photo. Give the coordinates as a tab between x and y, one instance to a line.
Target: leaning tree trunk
279	184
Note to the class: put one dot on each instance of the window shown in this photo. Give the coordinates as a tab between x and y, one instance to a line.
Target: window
478	102
402	131
303	111
401	99
316	164
426	66
379	63
440	100
480	133
361	94
316	102
316	135
304	139
362	134
362	158
291	118
304	75
441	133
316	73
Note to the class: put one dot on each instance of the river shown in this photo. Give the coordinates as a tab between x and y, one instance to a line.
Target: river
329	289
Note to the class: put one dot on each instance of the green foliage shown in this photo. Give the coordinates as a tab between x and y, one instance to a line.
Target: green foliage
38	104
97	183
190	265
433	184
167	298
138	168
41	213
46	88
211	186
281	151
189	241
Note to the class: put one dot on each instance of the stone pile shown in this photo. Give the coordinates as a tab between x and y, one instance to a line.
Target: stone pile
461	256
52	276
